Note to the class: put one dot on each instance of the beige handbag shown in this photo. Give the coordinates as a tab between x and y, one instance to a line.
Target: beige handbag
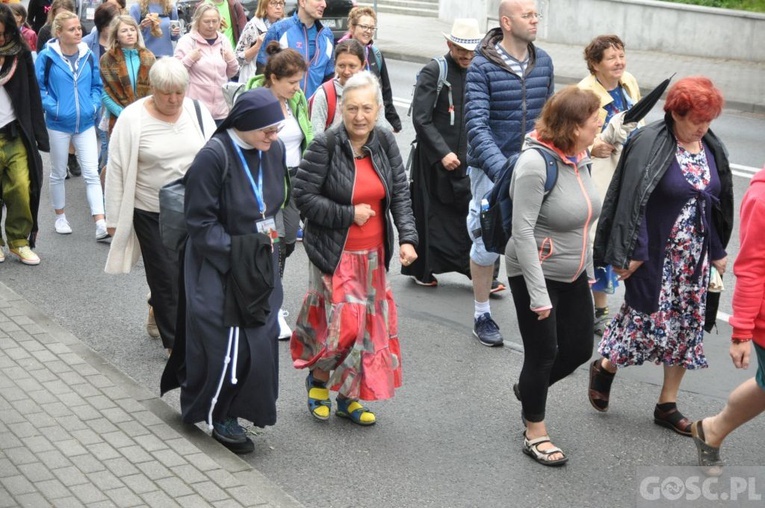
715	281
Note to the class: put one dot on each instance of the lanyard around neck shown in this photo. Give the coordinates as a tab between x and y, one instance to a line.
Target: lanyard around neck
256	189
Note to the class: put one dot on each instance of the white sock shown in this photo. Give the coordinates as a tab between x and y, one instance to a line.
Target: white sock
101	223
61	216
481	308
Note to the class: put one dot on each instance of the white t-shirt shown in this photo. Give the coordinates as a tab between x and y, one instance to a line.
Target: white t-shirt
7	114
165	152
292	137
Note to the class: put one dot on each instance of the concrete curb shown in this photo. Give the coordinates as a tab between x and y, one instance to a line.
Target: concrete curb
227	460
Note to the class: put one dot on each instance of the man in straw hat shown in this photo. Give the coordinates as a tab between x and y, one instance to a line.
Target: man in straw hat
441	187
507	84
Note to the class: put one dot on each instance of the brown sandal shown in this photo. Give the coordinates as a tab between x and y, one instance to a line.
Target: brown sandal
672	419
600	386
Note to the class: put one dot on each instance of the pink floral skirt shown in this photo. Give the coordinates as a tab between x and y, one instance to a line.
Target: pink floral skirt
348	325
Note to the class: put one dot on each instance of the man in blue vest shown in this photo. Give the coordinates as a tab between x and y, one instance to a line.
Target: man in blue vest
304	33
508	82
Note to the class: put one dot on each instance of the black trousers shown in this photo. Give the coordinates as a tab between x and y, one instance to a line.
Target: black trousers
556	346
161	265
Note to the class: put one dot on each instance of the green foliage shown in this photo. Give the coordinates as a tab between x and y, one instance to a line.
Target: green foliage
742	5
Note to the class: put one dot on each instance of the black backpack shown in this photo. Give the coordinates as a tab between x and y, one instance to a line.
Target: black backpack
497	205
172	219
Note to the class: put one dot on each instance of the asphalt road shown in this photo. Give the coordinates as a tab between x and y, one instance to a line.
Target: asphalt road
452	435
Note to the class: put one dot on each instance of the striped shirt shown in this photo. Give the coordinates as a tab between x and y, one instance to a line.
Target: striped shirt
518	67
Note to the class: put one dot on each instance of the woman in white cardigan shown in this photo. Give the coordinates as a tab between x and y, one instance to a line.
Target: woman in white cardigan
153	143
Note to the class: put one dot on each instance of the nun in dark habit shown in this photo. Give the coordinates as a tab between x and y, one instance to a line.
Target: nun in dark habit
225	359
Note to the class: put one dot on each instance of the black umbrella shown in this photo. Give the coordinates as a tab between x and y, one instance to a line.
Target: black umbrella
646	104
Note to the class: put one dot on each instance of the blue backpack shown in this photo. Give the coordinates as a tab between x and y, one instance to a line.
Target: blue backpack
497	205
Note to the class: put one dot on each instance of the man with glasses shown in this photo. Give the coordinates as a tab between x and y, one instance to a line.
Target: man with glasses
304	33
507	84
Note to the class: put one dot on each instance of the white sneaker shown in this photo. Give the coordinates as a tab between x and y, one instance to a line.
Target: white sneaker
2	254
101	233
62	226
285	332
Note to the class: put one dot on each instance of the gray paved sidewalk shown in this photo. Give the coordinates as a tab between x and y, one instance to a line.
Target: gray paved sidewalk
419	39
76	432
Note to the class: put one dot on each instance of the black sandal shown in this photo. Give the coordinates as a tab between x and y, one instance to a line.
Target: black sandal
709	456
672	419
600	386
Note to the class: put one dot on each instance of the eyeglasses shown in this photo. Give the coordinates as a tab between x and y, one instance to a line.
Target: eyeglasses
527	16
367	28
276	3
272	130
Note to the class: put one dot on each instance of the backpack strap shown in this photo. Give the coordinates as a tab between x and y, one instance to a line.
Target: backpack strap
222	147
331	93
443	71
551	166
331	142
199	117
442	81
378	57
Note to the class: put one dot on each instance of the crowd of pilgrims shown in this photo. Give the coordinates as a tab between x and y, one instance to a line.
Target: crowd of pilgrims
136	104
275	146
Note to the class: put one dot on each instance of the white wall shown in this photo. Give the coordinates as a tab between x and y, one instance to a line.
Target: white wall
449	10
648	25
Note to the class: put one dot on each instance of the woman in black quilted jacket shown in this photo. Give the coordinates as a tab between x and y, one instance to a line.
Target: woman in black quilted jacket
349	184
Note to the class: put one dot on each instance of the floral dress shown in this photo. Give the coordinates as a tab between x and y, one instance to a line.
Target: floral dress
673	334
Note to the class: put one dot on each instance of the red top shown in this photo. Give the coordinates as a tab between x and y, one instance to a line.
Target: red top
748	320
367	189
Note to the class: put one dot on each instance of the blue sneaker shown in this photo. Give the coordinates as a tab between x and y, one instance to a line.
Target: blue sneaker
487	331
300	234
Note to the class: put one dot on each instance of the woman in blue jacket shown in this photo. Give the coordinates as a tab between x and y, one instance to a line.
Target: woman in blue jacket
70	87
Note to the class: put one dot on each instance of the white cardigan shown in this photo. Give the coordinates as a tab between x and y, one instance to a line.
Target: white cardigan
121	175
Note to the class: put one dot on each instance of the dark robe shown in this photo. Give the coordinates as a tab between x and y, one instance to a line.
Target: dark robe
440	198
215	212
27	105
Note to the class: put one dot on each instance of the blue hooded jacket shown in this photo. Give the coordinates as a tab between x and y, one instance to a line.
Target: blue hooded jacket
70	97
501	106
292	33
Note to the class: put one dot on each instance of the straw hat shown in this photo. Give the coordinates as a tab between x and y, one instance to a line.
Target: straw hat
465	33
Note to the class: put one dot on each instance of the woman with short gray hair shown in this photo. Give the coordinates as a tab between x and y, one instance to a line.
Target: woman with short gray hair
169	76
153	143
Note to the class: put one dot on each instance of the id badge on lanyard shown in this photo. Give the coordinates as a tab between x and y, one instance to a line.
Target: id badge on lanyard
264	225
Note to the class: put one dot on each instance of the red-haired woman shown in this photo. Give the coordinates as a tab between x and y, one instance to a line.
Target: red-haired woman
666	220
